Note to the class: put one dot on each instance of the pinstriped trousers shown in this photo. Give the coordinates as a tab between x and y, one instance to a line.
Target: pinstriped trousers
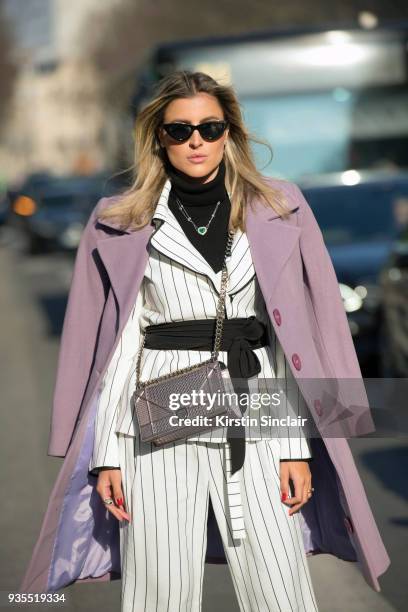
163	548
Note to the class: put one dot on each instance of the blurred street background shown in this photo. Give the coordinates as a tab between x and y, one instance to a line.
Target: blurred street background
326	84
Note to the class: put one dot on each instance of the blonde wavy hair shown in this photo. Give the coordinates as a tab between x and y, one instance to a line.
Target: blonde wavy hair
135	207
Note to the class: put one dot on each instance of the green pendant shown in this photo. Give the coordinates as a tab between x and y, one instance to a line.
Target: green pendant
202	230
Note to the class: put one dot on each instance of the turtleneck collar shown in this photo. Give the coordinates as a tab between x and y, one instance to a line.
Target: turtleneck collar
193	193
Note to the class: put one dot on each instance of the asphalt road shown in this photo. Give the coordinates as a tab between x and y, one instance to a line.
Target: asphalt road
32	301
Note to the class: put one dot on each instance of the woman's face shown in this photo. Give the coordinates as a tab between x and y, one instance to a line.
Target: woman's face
198	109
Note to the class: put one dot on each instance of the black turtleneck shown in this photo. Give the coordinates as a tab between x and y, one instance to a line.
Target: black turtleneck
199	200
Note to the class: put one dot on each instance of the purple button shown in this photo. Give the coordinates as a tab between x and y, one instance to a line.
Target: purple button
296	361
277	316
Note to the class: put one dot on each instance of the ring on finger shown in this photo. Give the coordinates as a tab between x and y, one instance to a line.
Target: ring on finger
108	501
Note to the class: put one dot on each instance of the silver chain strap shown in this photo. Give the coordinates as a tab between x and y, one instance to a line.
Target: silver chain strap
218	326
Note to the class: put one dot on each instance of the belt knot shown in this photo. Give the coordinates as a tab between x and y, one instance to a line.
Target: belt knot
242	361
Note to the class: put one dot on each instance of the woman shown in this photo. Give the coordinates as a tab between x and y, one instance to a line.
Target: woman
153	256
180	283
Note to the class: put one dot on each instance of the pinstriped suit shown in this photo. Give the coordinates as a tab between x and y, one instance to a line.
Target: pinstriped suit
179	284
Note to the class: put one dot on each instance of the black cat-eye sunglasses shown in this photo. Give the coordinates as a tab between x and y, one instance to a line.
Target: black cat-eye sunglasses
210	130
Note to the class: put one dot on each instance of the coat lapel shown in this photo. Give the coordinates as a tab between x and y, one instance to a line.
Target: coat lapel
272	242
263	249
125	258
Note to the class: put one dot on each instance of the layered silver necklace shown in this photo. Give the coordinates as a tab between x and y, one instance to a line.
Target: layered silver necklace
201	229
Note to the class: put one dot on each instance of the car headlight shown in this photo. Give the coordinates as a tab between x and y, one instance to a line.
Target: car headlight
366	293
351	299
71	236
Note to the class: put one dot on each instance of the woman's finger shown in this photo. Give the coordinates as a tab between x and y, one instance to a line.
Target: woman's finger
296	488
119	498
116	482
304	497
296	499
117	512
105	488
284	483
117	491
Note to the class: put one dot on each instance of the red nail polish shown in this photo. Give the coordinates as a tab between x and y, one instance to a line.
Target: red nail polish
284	496
119	501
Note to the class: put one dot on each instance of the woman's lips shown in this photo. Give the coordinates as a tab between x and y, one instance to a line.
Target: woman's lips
197	160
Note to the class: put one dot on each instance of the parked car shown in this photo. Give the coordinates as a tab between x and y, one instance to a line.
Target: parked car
360	220
52	216
19	200
393	281
60	218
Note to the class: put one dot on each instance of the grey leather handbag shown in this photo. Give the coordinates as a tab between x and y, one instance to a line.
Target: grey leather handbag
151	399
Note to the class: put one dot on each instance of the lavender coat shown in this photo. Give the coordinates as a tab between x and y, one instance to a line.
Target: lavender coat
79	538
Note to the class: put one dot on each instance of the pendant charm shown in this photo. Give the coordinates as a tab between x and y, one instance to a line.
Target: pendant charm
202	230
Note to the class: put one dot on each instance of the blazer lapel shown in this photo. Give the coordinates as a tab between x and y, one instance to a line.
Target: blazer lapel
171	241
240	267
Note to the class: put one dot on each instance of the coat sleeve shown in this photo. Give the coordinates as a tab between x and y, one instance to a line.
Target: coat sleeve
331	324
114	390
85	304
324	290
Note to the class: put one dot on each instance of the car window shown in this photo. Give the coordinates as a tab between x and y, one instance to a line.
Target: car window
350	215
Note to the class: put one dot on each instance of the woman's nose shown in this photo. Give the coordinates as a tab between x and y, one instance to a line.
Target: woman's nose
195	138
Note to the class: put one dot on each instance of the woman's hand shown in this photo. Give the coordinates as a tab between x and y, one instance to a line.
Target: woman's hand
110	485
299	473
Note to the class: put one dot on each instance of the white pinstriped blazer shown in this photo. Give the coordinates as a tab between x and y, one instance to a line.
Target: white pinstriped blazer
179	284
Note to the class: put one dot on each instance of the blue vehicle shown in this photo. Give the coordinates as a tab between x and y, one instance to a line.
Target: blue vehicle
360	224
394	290
58	211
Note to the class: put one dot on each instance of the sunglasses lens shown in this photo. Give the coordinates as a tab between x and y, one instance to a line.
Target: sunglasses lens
178	131
212	130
